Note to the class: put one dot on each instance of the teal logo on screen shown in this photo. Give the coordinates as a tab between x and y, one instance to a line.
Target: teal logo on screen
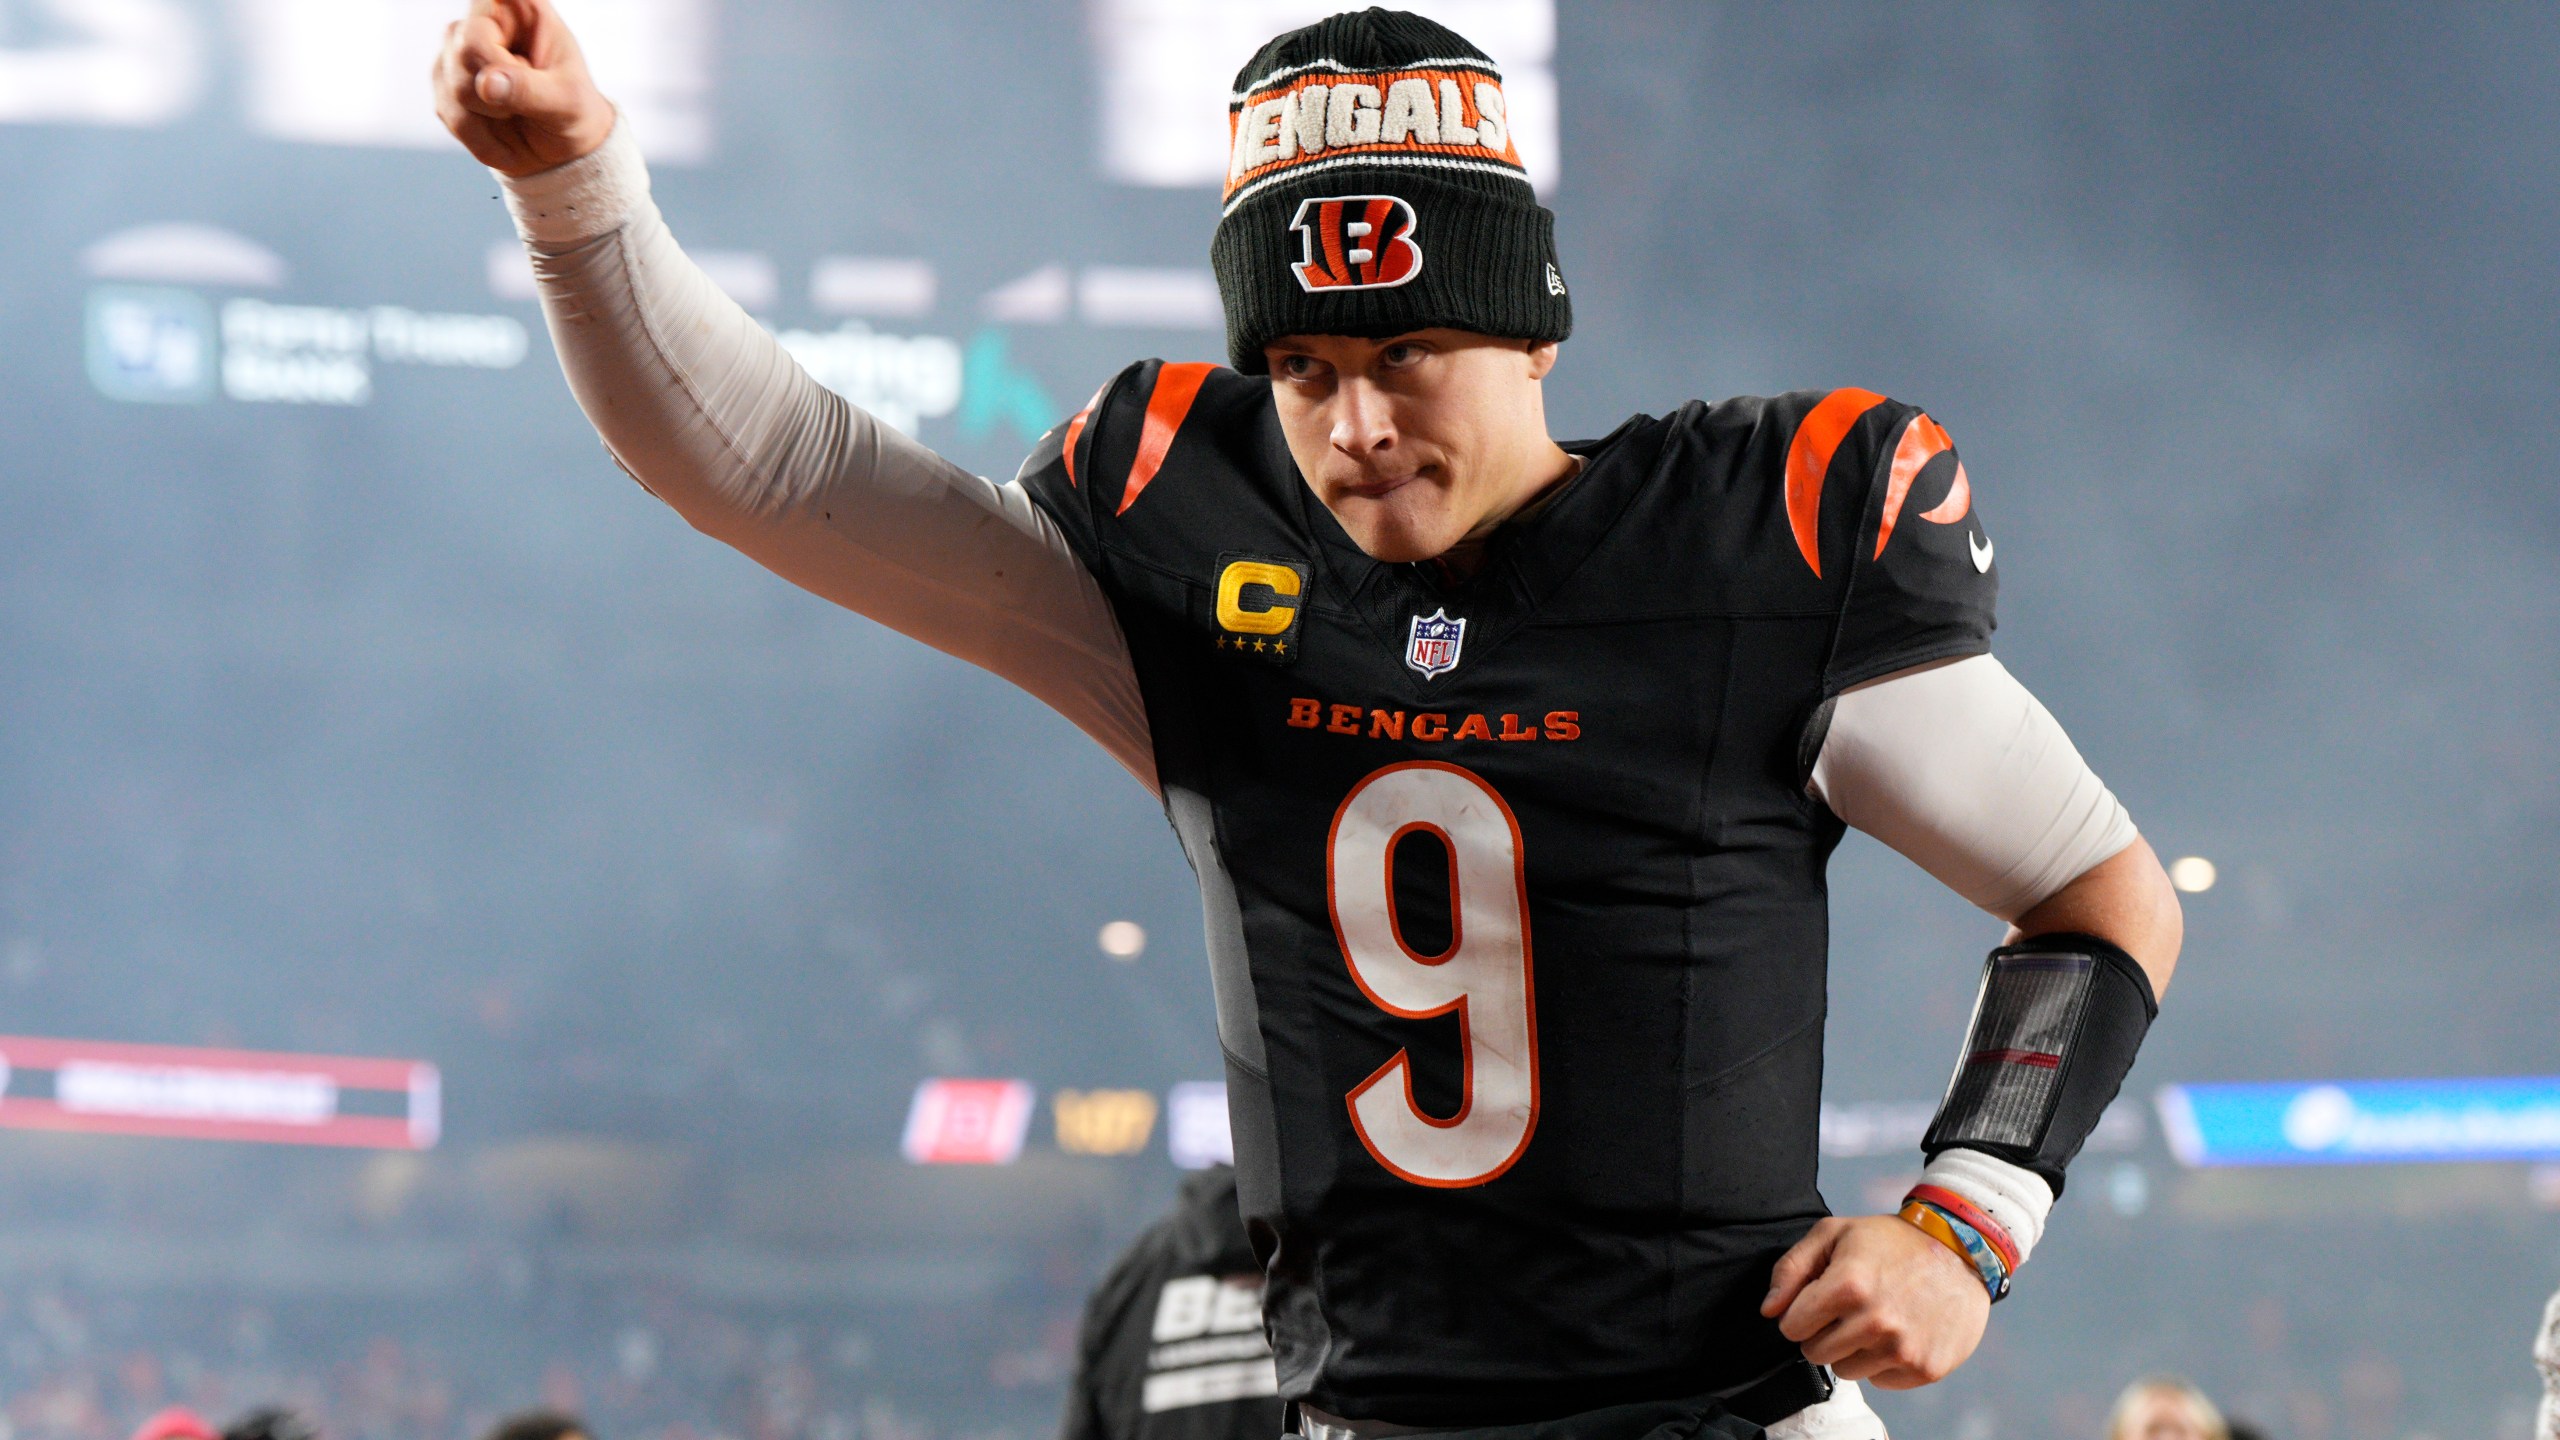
993	389
150	344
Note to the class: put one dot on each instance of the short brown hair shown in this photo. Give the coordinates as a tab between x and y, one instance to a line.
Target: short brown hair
2119	1418
540	1425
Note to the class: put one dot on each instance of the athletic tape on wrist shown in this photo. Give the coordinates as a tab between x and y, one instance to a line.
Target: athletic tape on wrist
581	199
2055	1028
2011	1195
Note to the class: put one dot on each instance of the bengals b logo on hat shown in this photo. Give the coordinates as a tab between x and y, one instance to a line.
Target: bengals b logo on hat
1354	242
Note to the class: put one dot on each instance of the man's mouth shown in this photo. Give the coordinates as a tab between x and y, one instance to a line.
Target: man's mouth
1378	487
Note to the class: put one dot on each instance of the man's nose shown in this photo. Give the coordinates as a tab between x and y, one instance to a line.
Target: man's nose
1362	424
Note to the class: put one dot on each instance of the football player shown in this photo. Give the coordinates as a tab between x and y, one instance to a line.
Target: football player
1509	767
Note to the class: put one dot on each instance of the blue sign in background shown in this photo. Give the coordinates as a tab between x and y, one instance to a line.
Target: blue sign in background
2363	1121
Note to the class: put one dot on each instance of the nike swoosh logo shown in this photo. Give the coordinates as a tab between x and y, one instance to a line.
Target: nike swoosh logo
1981	547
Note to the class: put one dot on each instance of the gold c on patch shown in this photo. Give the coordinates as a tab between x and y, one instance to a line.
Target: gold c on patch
1259	603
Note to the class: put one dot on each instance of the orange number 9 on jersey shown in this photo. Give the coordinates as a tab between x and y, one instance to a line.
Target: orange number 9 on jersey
1484	975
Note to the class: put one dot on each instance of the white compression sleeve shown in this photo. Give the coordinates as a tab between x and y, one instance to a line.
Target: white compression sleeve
1959	768
709	412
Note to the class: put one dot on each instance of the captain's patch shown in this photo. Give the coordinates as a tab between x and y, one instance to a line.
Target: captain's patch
1260	604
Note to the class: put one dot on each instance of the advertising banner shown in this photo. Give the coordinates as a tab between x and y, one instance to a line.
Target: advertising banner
2362	1122
109	1088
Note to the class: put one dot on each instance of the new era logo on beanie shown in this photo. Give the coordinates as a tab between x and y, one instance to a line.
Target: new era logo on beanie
1362	143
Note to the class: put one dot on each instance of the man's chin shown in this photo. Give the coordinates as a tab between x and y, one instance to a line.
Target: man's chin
1395	545
1386	535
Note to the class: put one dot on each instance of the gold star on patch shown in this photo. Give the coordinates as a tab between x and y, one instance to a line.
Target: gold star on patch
1257	647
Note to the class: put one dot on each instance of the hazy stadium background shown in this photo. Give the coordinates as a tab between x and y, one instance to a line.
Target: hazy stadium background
354	703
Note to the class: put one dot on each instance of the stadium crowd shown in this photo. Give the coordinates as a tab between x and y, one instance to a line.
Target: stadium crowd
77	1364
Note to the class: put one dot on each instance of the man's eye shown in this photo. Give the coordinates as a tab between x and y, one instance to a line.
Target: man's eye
1398	356
1299	367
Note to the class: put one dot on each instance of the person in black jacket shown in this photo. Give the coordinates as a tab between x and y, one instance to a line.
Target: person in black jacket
1173	1347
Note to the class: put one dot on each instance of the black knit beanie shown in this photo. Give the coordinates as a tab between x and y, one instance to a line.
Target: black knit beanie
1373	189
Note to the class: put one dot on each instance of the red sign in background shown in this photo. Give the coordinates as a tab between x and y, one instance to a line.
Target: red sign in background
110	1088
967	1122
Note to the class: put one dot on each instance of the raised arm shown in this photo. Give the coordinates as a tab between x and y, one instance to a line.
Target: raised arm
709	413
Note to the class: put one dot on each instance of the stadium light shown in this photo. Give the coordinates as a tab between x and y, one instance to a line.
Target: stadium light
1123	939
2192	873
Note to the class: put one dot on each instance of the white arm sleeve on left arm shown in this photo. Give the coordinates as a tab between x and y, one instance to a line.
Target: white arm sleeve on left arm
714	417
1961	770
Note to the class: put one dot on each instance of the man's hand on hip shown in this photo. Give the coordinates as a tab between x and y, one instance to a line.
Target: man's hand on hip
1878	1299
512	87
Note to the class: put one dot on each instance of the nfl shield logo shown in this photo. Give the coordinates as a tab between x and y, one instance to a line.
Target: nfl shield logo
1432	647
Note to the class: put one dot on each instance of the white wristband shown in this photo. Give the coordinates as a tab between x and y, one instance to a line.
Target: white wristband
2015	1197
587	197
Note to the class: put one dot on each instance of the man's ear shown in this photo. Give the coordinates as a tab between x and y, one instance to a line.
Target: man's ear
1542	358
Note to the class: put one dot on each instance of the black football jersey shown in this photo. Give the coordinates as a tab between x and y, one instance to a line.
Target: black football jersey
1172	1346
1515	898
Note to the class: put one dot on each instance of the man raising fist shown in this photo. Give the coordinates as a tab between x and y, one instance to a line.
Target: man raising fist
512	87
1509	767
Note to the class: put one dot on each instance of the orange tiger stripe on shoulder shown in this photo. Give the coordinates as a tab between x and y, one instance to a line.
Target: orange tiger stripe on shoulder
1176	387
1817	439
1923	440
1959	501
1075	427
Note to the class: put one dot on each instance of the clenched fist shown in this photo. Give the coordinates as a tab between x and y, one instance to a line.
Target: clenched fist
1878	1299
512	87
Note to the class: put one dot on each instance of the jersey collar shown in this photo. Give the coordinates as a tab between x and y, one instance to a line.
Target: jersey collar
1526	561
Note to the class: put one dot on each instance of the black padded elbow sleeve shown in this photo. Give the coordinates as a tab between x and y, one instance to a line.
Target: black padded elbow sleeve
2054	1031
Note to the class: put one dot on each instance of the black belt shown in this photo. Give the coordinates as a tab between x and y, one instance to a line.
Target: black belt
1795	1386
